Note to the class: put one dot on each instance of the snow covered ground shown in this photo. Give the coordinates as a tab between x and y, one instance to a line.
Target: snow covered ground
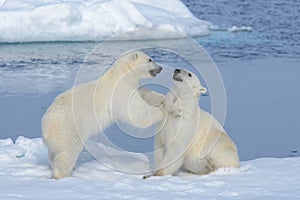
25	174
79	20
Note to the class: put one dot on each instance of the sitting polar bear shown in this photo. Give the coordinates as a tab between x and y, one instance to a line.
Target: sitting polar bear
87	109
190	139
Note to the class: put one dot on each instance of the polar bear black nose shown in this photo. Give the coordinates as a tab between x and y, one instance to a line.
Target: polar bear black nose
177	70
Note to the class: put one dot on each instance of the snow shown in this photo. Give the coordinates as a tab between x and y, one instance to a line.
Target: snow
92	20
25	174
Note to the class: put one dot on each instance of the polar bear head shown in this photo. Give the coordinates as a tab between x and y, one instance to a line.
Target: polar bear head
137	65
186	80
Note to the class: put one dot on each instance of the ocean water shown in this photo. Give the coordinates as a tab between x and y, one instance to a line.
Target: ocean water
260	70
275	28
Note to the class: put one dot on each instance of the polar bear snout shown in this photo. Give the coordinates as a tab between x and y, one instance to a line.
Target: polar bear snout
176	75
155	71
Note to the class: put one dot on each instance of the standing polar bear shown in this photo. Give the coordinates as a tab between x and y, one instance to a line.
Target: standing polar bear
190	139
87	109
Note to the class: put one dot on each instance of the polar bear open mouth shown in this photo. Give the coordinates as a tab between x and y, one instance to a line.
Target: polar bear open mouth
155	71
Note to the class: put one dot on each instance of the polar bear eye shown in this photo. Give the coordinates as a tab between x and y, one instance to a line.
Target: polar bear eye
150	60
190	75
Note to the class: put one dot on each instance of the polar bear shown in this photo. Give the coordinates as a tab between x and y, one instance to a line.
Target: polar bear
190	139
87	109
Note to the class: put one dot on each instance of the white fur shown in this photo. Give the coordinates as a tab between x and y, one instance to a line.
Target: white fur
190	139
88	109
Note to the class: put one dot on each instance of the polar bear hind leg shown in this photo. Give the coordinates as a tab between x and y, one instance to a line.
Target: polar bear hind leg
64	161
225	154
63	155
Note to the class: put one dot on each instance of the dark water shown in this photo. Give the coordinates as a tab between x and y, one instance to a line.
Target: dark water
259	68
275	26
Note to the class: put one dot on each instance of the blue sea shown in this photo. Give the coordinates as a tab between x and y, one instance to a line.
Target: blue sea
260	70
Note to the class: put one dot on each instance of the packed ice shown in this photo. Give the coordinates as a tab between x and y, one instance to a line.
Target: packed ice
92	20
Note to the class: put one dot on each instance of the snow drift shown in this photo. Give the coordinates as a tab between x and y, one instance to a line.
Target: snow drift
92	20
25	174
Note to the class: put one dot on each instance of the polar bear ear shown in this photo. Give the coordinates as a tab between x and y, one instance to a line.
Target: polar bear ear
203	90
200	91
134	56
